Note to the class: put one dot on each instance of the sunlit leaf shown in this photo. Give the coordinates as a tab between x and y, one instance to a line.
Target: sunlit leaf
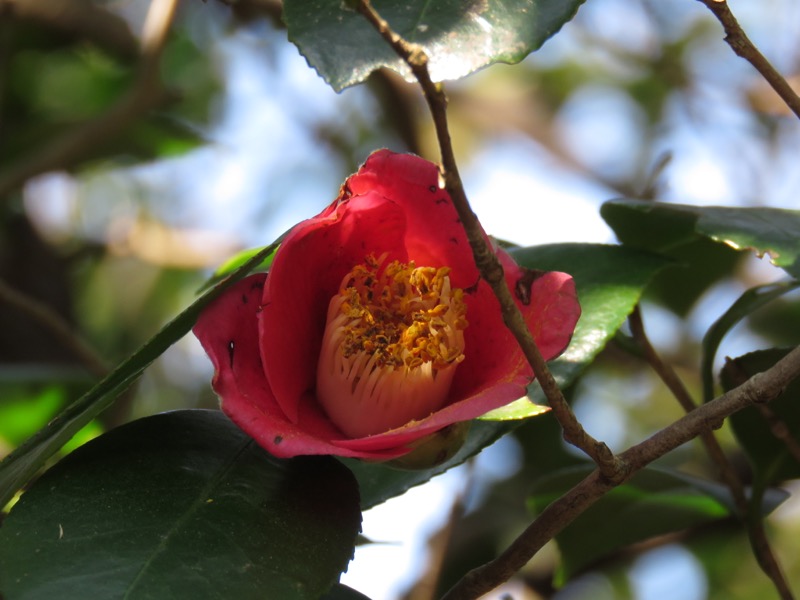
180	505
610	281
523	408
625	515
459	37
19	466
236	261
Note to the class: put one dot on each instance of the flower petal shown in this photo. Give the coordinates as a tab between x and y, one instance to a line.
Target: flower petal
228	331
306	274
493	355
434	235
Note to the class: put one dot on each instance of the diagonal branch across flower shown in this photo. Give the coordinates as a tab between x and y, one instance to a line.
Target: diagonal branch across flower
373	329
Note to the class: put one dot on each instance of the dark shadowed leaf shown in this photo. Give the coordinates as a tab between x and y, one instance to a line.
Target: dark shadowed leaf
774	459
459	36
626	514
379	482
699	260
180	505
751	300
343	592
684	232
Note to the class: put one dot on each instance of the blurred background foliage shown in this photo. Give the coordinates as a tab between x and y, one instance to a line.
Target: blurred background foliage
239	139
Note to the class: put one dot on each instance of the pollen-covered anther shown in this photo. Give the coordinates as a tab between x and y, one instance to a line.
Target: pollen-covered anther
393	340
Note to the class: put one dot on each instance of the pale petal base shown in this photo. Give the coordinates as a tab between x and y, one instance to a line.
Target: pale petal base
364	399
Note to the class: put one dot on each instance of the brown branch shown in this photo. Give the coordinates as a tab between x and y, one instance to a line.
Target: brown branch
487	262
56	326
742	46
748	512
146	93
675	385
759	389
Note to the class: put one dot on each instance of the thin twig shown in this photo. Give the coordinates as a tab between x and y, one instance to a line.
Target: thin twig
759	389
487	262
749	513
742	46
58	328
675	385
145	94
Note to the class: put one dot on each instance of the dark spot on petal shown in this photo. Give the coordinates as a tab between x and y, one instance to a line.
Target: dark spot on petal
230	354
433	189
522	288
454	240
257	285
474	287
244	299
441	201
278	439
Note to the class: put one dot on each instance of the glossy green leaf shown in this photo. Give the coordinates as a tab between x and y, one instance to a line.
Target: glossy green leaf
625	515
180	505
19	466
459	37
773	459
772	231
659	228
237	260
751	300
609	280
524	408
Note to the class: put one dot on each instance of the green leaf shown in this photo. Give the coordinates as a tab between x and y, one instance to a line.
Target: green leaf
684	232
19	466
180	505
654	502
609	281
458	37
772	459
751	300
237	260
524	408
699	260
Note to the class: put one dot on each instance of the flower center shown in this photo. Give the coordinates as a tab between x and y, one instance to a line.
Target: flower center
392	342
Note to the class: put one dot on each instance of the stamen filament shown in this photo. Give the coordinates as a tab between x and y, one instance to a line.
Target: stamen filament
393	339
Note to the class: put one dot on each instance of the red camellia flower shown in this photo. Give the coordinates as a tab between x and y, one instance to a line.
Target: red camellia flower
373	328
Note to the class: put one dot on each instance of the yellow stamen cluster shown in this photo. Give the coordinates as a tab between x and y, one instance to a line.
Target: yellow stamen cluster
393	339
402	314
